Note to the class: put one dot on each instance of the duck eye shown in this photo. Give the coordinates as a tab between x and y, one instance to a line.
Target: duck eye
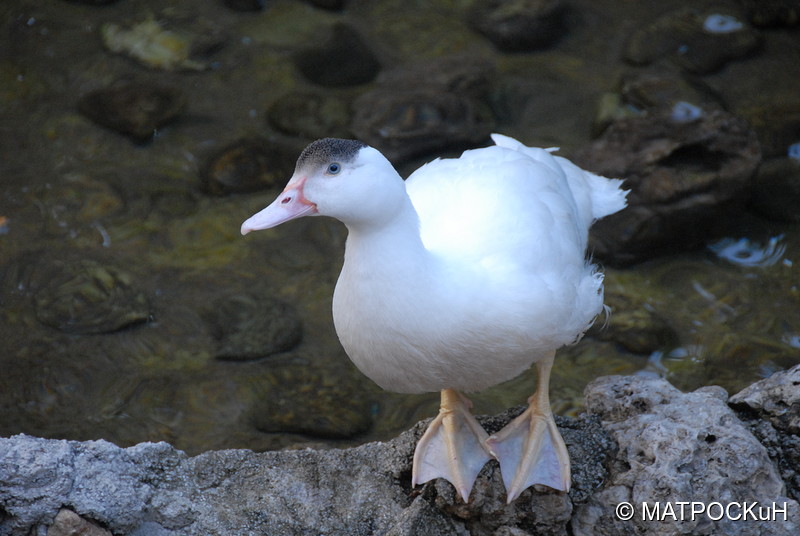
334	168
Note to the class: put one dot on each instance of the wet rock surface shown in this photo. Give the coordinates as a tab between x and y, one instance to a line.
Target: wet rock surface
644	442
685	173
135	110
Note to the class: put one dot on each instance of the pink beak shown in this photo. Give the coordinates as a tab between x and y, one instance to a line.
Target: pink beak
289	205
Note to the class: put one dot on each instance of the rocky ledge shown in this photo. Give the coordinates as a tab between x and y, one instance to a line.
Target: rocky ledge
642	443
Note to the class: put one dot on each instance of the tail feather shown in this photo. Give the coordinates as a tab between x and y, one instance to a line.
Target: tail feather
605	196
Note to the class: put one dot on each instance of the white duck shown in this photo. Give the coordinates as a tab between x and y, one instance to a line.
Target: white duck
457	279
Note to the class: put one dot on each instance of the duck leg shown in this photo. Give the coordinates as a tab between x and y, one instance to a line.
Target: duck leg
530	448
452	447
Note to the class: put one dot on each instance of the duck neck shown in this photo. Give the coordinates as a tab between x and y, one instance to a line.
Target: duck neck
394	244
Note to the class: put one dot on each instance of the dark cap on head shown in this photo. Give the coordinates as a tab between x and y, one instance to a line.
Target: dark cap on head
328	150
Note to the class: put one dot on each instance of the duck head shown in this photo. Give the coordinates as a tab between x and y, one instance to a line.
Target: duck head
344	179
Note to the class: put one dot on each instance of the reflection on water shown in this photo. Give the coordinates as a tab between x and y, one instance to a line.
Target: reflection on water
85	212
745	252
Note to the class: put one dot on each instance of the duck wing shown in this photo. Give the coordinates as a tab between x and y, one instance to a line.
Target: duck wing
510	203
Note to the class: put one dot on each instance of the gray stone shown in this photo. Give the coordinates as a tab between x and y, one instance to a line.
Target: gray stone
655	444
771	409
678	448
776	399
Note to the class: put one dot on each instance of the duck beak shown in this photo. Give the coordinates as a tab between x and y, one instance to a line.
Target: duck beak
291	204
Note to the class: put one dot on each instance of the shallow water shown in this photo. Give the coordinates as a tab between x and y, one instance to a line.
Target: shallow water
72	190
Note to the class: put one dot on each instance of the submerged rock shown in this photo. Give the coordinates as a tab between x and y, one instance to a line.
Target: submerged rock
776	189
654	89
425	107
662	87
521	25
344	59
328	4
654	444
315	402
311	115
685	175
700	41
404	124
467	75
135	110
772	12
151	45
164	45
246	5
251	327
633	325
247	165
85	297
94	2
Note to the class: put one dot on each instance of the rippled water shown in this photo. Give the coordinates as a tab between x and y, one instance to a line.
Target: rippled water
72	190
